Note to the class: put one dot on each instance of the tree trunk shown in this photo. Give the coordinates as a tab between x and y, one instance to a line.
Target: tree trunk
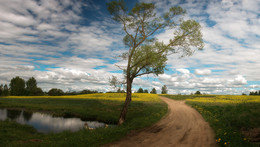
127	102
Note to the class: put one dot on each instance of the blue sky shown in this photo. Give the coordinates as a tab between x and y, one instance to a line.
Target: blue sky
73	45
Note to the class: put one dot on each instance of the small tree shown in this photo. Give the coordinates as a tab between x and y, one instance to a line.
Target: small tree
55	92
120	91
17	86
146	91
115	83
140	90
197	93
164	89
153	91
145	54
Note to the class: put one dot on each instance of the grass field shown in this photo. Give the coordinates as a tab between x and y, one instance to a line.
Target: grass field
145	109
235	119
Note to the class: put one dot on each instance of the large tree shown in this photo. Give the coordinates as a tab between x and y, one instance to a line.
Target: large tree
31	86
17	86
153	91
32	89
145	54
140	90
55	92
197	92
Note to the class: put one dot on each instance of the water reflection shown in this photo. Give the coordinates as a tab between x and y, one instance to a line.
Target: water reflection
46	123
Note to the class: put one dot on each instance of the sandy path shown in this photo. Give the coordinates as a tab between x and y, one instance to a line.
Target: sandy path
182	127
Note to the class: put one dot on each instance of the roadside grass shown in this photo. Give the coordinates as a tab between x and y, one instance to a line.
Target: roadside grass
184	97
144	110
229	116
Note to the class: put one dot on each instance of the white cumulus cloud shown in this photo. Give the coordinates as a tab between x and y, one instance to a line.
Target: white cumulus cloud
202	71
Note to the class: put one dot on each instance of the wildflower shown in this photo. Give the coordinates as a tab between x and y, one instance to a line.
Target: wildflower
225	143
225	133
244	138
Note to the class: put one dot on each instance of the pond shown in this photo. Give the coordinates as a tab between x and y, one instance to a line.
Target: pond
46	123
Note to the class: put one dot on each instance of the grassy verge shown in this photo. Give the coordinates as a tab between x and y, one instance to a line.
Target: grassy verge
144	110
232	118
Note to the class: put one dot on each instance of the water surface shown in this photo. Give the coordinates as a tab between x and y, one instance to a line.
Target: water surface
46	123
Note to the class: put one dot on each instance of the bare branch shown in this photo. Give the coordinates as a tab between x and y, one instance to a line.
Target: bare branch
120	67
145	73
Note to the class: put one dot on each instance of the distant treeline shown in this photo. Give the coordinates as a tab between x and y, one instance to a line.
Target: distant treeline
20	87
255	93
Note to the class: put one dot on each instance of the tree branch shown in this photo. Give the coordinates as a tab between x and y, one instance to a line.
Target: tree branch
138	75
120	67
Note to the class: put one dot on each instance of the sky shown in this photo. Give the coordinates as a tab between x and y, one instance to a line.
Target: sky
74	45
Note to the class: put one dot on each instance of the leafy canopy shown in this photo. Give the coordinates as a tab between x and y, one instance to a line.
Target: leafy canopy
146	54
17	86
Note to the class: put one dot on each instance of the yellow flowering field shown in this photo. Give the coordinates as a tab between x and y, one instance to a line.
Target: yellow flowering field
227	99
145	97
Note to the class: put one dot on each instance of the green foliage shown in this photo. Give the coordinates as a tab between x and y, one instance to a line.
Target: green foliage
32	89
140	90
86	91
254	93
164	89
1	89
153	91
6	90
197	92
146	91
146	55
55	92
31	85
17	86
116	8
120	91
37	91
149	59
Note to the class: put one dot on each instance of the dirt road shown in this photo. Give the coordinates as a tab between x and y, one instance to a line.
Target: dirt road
182	127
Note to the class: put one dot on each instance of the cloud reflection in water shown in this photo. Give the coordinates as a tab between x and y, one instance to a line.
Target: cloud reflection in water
45	123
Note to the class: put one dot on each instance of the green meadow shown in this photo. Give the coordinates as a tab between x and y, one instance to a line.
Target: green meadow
234	119
144	110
